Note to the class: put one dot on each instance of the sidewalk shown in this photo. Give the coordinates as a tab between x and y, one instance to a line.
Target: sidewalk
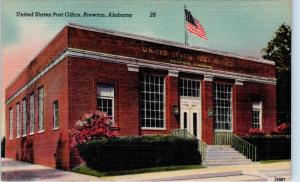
16	170
12	170
249	172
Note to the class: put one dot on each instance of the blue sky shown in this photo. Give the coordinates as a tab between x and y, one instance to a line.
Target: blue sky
237	26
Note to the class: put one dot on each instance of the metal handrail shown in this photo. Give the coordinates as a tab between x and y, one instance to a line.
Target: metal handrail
202	146
244	147
222	138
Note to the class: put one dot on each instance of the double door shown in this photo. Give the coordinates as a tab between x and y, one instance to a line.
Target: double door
190	115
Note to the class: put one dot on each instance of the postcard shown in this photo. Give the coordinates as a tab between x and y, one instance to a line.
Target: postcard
146	90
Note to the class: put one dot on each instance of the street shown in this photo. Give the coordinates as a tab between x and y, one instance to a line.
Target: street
278	171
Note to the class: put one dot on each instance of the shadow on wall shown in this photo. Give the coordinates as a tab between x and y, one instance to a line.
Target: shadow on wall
59	153
3	147
27	151
75	158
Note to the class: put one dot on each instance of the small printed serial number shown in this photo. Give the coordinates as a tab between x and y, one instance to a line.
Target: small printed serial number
152	14
279	179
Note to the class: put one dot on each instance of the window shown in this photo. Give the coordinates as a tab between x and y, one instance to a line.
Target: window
105	99
55	115
18	121
11	123
190	88
152	101
257	115
222	106
41	109
31	113
24	109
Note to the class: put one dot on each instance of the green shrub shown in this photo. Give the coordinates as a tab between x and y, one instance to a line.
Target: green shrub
109	154
272	147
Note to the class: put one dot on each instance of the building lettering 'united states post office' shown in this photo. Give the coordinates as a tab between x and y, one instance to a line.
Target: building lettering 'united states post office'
148	86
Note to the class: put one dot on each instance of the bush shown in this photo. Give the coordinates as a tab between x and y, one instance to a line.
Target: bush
282	129
3	147
271	147
93	125
256	132
112	154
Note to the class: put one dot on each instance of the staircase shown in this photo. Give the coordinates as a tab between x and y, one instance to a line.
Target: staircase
229	149
223	155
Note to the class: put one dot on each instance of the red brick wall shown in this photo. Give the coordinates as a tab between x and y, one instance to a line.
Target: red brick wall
245	95
83	78
112	44
50	52
207	103
44	148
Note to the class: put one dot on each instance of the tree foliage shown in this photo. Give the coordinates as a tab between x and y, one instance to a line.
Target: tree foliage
279	50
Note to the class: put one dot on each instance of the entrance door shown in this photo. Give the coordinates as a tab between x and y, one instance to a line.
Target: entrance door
190	109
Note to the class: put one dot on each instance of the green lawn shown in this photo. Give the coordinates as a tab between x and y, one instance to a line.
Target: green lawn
271	161
89	171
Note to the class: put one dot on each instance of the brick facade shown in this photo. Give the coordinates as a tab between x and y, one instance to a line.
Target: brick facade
73	82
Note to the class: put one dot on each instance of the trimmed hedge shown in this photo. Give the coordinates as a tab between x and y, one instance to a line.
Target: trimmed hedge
271	148
139	152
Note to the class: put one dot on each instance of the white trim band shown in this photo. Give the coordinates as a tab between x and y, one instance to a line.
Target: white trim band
238	82
135	62
133	68
208	78
173	73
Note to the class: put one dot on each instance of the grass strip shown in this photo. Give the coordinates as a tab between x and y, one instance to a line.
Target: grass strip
83	169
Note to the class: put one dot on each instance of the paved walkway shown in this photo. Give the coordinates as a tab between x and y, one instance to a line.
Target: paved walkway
12	170
16	171
246	172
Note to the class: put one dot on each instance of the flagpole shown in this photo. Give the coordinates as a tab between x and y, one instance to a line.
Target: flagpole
185	32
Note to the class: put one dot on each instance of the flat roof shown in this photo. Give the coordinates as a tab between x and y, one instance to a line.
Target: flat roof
170	43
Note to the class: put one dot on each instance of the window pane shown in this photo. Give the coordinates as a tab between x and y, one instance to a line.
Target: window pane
256	117
104	90
18	121
55	114
24	117
11	127
222	106
152	101
31	113
105	100
189	87
41	109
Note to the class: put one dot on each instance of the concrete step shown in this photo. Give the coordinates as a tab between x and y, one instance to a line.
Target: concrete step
226	158
222	155
228	155
225	163
223	152
218	149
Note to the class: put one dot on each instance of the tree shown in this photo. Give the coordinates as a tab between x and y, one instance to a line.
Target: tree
279	50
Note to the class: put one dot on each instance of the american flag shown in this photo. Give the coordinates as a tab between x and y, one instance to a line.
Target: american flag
194	26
